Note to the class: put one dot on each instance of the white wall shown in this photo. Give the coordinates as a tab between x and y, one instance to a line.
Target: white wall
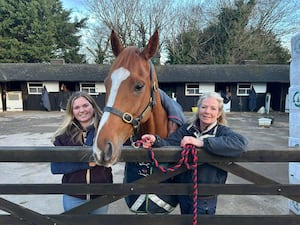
100	88
260	88
52	86
14	101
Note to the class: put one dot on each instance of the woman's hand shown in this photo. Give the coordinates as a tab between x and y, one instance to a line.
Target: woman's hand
189	140
148	140
92	164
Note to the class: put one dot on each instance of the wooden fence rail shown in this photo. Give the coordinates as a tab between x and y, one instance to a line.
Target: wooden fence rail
260	185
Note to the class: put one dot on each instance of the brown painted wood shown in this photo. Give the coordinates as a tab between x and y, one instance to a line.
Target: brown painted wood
27	216
161	188
129	154
112	192
163	220
252	176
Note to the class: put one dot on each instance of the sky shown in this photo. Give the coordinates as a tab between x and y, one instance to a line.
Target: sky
73	4
78	10
76	6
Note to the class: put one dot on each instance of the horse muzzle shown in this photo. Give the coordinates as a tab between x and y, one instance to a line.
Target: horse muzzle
104	156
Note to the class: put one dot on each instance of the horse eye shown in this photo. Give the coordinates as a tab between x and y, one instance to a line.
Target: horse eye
138	86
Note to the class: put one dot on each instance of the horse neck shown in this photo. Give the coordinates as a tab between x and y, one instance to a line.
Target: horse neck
158	120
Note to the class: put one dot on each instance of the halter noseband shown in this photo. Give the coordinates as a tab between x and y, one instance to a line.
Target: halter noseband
127	117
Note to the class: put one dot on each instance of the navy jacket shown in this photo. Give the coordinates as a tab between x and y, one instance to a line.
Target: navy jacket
225	142
75	172
173	109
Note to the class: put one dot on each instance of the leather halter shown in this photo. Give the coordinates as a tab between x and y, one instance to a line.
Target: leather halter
126	116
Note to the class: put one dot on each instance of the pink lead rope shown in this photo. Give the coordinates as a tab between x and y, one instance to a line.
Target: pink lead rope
186	150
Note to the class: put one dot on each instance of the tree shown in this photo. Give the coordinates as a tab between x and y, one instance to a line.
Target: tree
186	50
231	38
101	50
228	33
242	23
183	40
37	30
133	20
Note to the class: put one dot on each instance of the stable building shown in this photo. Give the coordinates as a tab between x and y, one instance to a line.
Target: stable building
22	84
187	82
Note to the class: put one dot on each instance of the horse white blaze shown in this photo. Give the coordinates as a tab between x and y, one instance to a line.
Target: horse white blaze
117	77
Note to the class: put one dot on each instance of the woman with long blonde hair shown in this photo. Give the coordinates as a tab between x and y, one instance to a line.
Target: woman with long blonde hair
78	128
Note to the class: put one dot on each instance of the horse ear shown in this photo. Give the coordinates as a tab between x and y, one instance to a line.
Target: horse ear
115	43
151	48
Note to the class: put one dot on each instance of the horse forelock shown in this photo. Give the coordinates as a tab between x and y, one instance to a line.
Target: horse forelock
128	56
132	60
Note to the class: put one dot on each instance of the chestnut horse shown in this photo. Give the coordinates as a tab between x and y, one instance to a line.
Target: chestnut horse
133	105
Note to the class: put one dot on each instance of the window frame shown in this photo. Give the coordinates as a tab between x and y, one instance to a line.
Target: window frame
89	87
243	91
35	88
195	90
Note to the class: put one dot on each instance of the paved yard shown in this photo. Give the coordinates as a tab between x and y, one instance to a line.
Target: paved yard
35	128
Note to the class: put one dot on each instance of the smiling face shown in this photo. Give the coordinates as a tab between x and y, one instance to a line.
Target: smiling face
208	112
83	111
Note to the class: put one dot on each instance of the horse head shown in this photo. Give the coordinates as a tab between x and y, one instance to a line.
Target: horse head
132	99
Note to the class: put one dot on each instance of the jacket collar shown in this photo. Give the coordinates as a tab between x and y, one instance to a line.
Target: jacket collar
210	131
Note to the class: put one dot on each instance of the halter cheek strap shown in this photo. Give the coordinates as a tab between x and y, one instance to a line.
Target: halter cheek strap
126	116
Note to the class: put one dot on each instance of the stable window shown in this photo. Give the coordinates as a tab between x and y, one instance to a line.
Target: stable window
35	88
89	88
192	89
243	89
196	89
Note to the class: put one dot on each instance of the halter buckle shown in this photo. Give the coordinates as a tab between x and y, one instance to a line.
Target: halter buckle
127	117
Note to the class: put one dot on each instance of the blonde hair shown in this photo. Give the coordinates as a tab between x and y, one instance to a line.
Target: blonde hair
69	119
222	118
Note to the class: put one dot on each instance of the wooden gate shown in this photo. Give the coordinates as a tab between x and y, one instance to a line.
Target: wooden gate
260	185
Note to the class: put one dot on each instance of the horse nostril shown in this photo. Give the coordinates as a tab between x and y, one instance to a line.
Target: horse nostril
108	152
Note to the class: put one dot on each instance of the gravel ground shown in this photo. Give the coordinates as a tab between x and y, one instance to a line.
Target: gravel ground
34	128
